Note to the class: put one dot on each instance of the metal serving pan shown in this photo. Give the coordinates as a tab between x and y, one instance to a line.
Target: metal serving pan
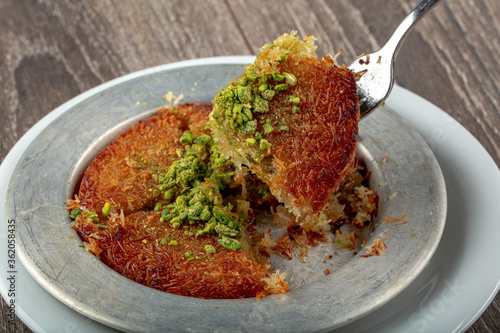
410	182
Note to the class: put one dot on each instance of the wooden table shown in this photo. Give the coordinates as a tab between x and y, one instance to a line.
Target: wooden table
51	51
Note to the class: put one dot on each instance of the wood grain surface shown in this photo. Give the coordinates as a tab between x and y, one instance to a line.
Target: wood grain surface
53	50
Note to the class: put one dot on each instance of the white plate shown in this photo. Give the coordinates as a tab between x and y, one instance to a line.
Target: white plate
434	301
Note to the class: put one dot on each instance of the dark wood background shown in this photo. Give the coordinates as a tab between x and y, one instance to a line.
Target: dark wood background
52	50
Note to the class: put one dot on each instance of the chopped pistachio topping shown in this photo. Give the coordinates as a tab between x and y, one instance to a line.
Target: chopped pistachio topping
93	216
249	127
106	209
168	194
204	138
242	109
227	231
277	77
283	58
293	99
251	141
209	249
268	129
244	81
230	243
192	188
281	87
244	93
264	144
187	137
158	207
252	75
268	94
75	213
260	104
290	79
242	106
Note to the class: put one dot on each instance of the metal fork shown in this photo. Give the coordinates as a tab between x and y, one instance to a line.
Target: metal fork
377	80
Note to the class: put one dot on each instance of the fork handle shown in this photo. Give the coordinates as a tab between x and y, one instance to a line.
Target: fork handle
394	43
